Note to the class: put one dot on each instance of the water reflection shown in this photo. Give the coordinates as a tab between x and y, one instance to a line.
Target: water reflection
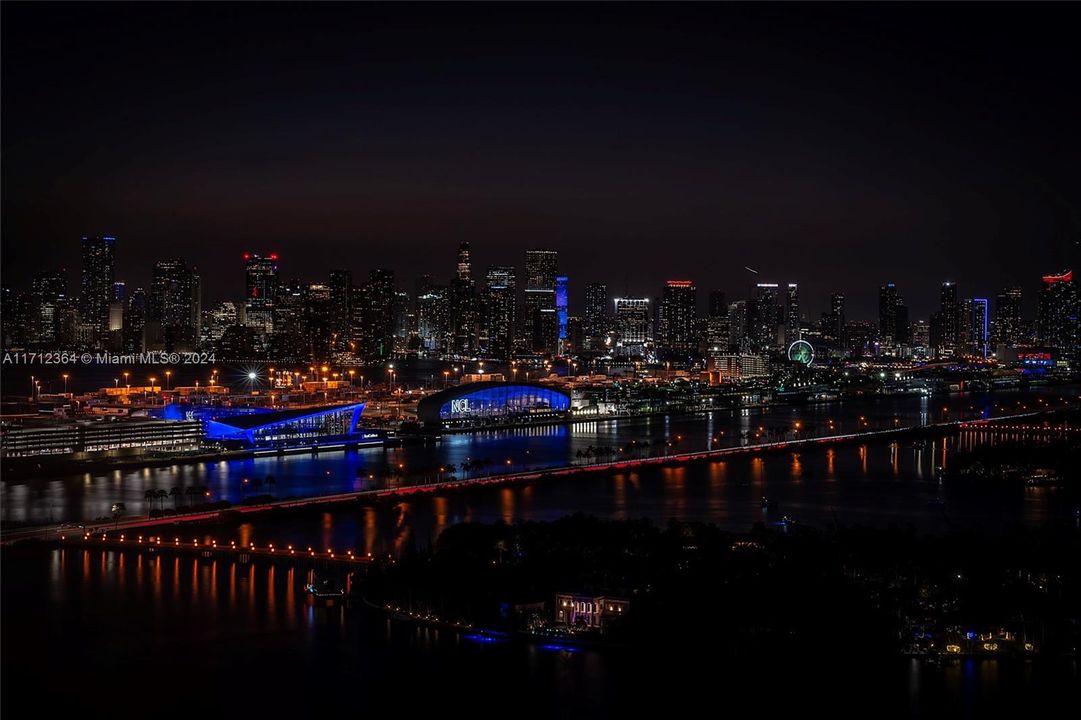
218	625
874	483
87	495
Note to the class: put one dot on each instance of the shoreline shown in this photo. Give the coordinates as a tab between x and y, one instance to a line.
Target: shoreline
20	469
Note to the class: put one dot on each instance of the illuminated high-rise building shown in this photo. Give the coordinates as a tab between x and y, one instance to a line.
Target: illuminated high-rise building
764	317
678	319
921	335
174	312
135	311
1007	328
887	312
49	303
433	320
945	322
404	322
633	325
738	338
218	320
561	308
541	322
378	298
261	278
15	314
318	332
949	309
979	326
499	302
595	322
261	290
1057	321
465	271
341	310
289	341
99	274
792	331
462	303
717	327
832	324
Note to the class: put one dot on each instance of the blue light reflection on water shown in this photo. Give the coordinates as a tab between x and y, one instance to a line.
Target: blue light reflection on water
90	495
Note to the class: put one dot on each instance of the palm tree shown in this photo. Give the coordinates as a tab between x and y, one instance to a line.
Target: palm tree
149	496
161	495
190	492
175	494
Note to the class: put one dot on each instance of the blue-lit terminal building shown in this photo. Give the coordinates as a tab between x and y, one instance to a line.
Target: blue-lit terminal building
493	403
326	427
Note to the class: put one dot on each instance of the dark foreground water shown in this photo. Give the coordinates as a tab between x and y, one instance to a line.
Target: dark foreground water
95	633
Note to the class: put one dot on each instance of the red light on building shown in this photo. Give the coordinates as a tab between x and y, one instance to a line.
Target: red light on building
1064	277
247	256
680	283
273	256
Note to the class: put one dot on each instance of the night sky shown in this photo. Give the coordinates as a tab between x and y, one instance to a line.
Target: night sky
836	146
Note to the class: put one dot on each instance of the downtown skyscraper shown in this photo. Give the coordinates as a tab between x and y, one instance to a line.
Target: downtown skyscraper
1058	325
541	322
261	290
99	275
595	318
463	306
1007	328
633	326
679	318
174	307
792	331
498	306
892	317
945	323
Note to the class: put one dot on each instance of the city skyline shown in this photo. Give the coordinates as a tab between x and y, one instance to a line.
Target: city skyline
868	293
824	149
547	359
483	315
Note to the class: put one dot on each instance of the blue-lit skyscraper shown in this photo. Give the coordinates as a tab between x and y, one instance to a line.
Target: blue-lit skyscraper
561	306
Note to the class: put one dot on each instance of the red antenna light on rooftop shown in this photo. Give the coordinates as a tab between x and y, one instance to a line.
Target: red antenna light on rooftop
1064	277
